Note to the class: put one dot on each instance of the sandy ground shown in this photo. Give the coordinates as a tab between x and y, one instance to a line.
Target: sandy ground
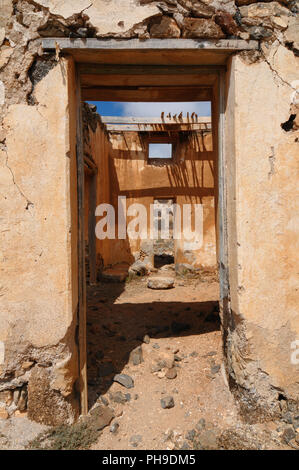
118	318
180	325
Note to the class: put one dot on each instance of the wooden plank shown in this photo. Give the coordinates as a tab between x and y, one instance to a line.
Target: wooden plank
91	229
157	127
121	69
149	44
130	80
154	120
147	94
81	255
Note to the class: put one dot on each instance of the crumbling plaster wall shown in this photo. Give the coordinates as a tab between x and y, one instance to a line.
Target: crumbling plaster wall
263	228
263	291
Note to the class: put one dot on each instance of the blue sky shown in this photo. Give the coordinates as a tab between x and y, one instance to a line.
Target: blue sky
153	109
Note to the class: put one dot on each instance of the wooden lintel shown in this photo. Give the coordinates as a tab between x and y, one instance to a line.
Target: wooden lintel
147	94
149	44
157	127
192	119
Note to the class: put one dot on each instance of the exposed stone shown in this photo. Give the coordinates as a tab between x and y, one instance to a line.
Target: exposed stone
114	427
146	339
160	282
288	434
136	357
100	417
201	11
291	35
135	440
171	373
259	32
27	365
167	402
120	397
124	380
42	400
166	28
226	22
191	435
201	28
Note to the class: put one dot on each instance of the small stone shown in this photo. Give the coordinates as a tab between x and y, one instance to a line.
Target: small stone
288	434
165	28
136	357
201	28
27	365
160	282
156	346
124	379
120	397
146	339
161	374
135	440
171	373
194	354
215	369
191	435
114	427
177	358
100	417
104	400
167	402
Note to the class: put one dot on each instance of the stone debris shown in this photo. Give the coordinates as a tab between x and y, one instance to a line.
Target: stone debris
114	427
136	357
167	402
171	373
124	380
160	282
99	417
135	440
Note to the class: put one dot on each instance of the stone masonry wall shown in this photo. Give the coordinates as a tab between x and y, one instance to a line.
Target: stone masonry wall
40	360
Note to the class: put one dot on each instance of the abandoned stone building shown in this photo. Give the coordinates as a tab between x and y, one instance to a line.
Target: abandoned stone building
60	160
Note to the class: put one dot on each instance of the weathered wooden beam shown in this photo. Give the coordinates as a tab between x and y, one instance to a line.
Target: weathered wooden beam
147	94
157	127
155	120
149	44
81	253
121	69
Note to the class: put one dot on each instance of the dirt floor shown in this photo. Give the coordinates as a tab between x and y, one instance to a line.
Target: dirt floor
175	335
172	392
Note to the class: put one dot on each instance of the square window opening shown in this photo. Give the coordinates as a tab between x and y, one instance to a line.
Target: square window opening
158	150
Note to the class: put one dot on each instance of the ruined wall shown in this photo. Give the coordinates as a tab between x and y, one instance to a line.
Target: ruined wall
188	178
263	227
38	293
38	256
97	148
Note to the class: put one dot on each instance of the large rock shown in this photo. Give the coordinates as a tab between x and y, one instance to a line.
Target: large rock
166	28
100	417
160	282
124	380
201	28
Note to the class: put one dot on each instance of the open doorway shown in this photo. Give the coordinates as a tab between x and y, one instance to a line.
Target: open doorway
155	296
137	313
